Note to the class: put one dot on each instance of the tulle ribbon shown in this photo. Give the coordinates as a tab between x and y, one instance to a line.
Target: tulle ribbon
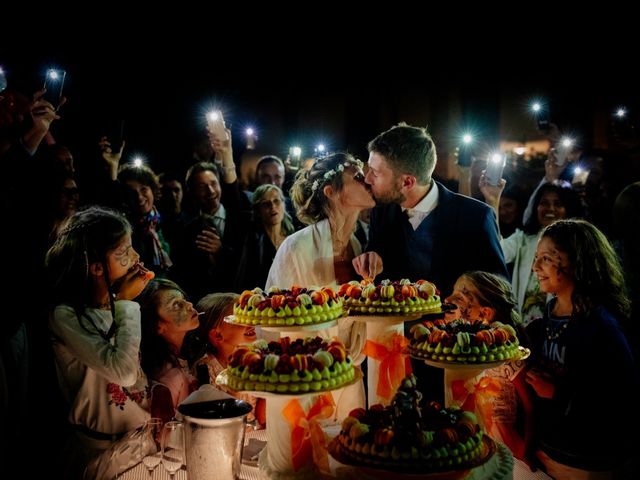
308	442
479	398
394	365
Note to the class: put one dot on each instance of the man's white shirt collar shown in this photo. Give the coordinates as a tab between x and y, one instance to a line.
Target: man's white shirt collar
424	207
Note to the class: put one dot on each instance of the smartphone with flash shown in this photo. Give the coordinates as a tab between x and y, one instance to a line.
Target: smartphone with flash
495	166
53	85
542	119
561	153
216	124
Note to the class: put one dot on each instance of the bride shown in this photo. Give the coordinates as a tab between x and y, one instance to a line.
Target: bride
329	198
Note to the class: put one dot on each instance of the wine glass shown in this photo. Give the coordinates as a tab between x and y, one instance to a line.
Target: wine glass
173	453
153	430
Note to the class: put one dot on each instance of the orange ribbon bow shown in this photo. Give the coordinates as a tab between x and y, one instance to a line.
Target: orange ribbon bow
394	365
308	442
479	399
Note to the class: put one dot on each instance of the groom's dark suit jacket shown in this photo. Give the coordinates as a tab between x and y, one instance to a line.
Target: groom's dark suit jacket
460	234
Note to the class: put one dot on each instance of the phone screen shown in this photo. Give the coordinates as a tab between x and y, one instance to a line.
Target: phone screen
464	156
561	152
294	157
216	125
542	119
495	166
53	84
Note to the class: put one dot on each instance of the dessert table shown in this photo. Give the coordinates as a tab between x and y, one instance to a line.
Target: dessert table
250	470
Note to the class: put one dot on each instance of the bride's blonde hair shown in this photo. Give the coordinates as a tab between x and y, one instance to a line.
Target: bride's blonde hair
307	193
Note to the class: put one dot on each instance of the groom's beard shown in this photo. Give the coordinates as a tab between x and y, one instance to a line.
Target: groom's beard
393	195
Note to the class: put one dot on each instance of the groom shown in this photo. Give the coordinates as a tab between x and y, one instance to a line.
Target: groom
420	229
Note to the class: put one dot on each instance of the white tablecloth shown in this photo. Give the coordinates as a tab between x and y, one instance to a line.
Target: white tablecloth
139	472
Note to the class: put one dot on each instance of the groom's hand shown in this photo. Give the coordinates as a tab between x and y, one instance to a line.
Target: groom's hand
368	265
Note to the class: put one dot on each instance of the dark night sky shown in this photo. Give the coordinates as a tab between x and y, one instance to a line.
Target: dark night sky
344	98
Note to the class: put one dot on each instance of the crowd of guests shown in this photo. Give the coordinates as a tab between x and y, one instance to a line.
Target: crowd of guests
114	346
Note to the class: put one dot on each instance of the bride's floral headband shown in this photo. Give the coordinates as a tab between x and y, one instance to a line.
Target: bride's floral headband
329	174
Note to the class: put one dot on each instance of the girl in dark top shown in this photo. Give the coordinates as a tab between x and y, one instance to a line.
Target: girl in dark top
583	368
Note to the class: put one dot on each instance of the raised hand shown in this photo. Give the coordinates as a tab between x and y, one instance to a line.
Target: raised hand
111	158
42	115
490	192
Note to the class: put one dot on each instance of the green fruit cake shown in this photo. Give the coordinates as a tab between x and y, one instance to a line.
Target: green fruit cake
390	298
286	308
462	341
410	435
304	365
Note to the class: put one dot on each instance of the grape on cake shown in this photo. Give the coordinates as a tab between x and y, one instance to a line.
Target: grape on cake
410	435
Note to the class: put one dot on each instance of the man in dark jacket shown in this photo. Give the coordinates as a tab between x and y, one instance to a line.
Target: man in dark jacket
420	229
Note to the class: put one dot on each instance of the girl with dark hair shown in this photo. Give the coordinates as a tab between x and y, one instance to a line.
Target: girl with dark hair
582	362
167	316
95	275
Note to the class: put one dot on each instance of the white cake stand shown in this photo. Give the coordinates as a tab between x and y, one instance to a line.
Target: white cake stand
465	371
380	329
276	460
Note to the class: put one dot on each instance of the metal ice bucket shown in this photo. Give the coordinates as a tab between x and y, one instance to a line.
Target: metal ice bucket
214	437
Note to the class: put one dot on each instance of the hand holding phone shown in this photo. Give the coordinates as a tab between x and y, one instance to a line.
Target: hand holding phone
495	166
53	84
216	125
560	153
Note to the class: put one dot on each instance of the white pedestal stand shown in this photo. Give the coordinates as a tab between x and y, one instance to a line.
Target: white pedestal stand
380	329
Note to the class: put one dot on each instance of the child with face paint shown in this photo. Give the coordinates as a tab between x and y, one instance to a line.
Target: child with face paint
482	296
582	363
95	273
220	339
167	316
493	395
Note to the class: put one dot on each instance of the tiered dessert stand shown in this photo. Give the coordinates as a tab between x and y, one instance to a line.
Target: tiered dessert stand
465	371
276	460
